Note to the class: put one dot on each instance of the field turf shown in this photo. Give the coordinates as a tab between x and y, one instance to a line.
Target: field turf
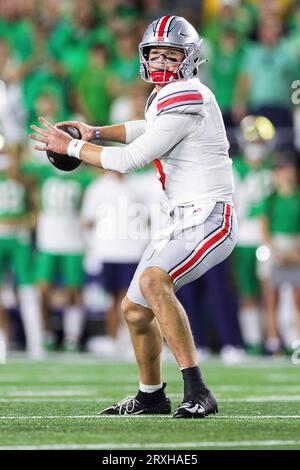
54	405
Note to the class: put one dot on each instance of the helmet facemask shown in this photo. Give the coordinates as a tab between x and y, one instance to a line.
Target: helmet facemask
160	75
187	67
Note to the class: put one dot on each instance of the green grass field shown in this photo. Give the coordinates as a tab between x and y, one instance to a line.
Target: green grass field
54	405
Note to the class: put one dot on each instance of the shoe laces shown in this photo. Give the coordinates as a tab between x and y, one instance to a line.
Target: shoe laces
127	405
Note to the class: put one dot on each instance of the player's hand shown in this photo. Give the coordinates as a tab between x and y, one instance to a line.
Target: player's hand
87	132
53	139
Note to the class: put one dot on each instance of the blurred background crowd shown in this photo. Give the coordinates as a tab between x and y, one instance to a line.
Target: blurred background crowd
66	256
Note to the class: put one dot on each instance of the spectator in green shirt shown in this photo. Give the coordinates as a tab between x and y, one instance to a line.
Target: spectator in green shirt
16	28
264	84
126	65
224	71
280	220
93	89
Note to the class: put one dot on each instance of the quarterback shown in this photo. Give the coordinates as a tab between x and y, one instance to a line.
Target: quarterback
184	135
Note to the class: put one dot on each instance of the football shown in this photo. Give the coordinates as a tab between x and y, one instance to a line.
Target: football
64	162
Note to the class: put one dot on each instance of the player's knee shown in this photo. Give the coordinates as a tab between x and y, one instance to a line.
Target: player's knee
154	281
134	315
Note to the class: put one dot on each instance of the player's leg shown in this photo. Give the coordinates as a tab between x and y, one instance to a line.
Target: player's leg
213	242
192	297
271	300
45	264
29	298
125	274
250	316
147	342
146	339
73	317
158	289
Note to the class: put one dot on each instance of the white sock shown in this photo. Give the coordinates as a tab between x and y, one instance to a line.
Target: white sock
150	388
32	319
251	325
72	324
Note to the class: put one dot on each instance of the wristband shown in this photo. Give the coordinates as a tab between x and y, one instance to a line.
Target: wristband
75	147
97	132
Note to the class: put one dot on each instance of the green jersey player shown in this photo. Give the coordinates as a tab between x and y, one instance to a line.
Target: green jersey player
60	244
253	182
16	221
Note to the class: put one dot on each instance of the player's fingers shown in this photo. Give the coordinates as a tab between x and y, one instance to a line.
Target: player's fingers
39	130
37	147
46	123
66	123
38	138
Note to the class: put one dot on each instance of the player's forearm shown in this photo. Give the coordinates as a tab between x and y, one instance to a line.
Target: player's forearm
116	158
124	133
91	154
115	133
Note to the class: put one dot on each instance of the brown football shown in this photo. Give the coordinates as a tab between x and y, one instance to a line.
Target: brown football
64	162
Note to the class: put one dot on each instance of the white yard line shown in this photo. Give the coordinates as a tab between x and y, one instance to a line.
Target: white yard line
66	379
260	399
243	388
47	393
236	417
158	445
282	377
44	397
55	400
248	399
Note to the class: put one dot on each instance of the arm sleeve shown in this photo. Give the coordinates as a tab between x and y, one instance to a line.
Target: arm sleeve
133	130
166	132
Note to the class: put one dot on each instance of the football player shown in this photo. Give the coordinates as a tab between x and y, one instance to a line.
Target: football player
16	222
184	135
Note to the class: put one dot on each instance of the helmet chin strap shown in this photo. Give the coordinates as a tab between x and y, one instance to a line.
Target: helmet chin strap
162	76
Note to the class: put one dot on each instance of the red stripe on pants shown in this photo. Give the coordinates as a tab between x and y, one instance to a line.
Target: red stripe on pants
215	239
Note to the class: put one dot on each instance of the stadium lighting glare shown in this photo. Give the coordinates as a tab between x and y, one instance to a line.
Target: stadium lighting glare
263	253
265	128
257	128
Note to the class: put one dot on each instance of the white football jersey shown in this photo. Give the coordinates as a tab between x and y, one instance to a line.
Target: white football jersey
198	167
184	135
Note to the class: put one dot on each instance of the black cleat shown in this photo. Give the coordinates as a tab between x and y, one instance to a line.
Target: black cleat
203	406
132	406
